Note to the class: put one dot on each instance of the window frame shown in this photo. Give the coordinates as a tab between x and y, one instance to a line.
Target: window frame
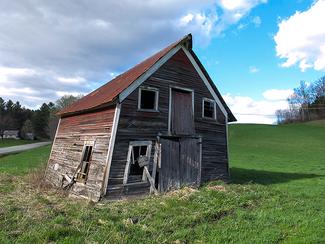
148	88
132	144
205	99
86	144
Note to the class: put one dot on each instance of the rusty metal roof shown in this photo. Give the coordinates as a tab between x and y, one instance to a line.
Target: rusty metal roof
109	92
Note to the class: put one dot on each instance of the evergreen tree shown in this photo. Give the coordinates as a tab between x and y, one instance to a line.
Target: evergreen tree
2	114
27	129
40	122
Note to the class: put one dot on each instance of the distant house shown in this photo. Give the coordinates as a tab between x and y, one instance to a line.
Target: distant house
11	134
160	125
29	136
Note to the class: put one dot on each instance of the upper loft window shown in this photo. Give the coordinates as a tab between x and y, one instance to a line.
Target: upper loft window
148	99
85	161
209	108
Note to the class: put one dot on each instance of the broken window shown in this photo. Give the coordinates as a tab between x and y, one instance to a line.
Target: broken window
138	157
85	162
148	99
209	108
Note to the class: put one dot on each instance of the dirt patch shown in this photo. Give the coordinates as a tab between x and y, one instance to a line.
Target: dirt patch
217	188
182	193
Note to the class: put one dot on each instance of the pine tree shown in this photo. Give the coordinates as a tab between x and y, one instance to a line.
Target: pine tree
40	122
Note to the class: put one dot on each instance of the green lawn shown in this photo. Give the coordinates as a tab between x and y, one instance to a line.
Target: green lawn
14	142
23	163
277	195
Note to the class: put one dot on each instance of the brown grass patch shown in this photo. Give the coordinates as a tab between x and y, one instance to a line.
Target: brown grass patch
217	188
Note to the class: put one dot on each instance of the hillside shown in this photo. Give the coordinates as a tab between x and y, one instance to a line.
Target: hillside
276	195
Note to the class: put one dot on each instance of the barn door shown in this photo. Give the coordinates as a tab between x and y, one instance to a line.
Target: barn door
180	163
181	116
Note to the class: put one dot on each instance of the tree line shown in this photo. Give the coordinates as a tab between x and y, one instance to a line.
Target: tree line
305	104
41	123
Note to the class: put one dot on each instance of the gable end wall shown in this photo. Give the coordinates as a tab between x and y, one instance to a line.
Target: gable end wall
68	145
138	125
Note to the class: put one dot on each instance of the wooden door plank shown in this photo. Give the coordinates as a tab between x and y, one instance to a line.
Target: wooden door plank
181	163
182	118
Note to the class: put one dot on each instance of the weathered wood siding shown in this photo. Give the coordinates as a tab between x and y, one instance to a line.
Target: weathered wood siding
182	172
68	145
138	125
182	123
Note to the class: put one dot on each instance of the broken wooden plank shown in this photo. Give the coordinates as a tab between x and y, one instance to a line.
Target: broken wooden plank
151	181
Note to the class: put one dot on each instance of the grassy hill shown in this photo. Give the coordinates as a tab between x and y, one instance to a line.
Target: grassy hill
277	195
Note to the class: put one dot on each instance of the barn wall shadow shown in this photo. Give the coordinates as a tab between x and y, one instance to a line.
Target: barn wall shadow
240	176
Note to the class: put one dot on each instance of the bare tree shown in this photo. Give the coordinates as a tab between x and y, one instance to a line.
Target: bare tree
306	103
66	101
302	97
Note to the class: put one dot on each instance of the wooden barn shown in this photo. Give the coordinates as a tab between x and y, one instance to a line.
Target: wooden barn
159	126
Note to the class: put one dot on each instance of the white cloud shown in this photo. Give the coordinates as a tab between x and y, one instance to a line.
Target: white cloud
71	80
7	73
240	5
185	20
301	38
208	23
236	9
249	110
32	87
63	93
75	46
253	69
200	23
257	21
277	94
241	26
5	91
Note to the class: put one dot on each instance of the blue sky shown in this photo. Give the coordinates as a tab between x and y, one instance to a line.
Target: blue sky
256	51
229	57
243	61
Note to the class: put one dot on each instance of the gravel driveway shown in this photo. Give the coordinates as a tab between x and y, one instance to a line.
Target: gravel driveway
21	148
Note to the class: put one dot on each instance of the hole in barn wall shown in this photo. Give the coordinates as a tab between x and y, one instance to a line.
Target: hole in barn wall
56	167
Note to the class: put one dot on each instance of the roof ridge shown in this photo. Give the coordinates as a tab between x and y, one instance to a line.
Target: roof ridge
111	89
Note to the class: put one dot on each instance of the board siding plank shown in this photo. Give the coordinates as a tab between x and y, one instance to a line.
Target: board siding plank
138	125
181	163
68	145
182	121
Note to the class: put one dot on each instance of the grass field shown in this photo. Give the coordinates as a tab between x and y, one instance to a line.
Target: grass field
14	142
277	195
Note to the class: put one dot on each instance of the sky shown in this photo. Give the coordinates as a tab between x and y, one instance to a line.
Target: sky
256	51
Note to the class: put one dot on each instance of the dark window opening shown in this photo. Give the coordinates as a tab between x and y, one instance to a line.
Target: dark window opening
148	99
137	160
138	155
83	173
208	109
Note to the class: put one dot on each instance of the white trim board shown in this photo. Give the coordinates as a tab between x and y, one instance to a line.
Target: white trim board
162	61
48	161
132	144
111	147
148	73
56	133
205	80
227	138
156	103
